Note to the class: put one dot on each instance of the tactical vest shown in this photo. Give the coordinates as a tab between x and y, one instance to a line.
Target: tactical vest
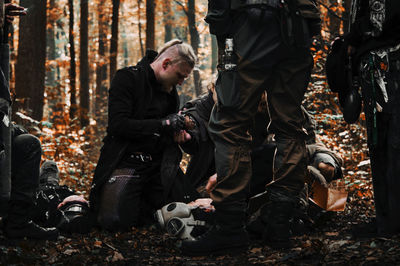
377	15
303	16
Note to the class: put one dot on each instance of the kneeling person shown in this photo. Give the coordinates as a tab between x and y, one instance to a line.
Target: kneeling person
138	162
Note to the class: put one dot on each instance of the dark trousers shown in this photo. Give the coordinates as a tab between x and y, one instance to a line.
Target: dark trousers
26	155
384	143
131	196
264	62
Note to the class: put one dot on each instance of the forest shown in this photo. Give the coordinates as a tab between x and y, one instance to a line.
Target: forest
64	54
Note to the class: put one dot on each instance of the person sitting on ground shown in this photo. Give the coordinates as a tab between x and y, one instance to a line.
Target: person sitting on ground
139	160
25	163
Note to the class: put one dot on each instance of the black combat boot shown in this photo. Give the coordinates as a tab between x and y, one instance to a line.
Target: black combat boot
276	216
18	225
227	236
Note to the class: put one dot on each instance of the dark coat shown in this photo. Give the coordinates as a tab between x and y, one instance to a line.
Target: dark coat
129	96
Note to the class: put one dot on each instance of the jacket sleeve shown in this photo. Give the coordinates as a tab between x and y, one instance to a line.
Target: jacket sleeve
123	99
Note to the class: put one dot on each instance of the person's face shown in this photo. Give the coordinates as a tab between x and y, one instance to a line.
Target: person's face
174	73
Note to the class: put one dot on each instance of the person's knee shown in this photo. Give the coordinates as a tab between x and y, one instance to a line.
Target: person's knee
27	146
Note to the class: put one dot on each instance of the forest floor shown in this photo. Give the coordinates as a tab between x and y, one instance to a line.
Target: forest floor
331	241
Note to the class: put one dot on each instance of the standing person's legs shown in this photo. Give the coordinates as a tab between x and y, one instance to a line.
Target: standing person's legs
384	144
285	92
257	45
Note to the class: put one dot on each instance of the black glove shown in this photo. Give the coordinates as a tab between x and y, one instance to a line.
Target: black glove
174	122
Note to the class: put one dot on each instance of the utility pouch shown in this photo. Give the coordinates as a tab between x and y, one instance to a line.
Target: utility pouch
228	90
300	21
219	17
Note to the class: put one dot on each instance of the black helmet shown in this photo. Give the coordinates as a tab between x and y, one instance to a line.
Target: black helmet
75	217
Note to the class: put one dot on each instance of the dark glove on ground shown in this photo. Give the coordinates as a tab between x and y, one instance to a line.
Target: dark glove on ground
173	122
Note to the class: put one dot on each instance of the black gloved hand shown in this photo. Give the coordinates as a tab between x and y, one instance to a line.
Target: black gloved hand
174	122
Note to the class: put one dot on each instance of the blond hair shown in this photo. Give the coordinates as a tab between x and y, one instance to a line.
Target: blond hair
179	50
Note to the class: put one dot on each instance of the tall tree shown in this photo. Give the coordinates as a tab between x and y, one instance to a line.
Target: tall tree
72	68
51	42
84	64
167	19
101	67
334	22
139	2
150	24
114	38
194	41
30	68
214	53
53	93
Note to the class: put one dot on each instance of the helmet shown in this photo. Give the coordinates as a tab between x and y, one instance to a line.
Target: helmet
75	217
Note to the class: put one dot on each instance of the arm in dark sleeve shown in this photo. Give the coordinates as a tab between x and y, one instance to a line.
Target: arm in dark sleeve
360	26
192	146
123	99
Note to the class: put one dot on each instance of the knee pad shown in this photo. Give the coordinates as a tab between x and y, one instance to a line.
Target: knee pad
27	145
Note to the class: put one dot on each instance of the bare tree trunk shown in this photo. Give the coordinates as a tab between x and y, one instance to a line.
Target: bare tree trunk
30	68
84	64
140	27
72	69
101	69
167	19
214	54
150	24
51	44
194	41
334	22
114	38
54	97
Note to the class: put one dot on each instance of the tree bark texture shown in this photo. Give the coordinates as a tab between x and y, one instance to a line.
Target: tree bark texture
101	68
167	20
72	69
334	22
84	64
194	41
30	68
150	24
114	38
214	54
140	27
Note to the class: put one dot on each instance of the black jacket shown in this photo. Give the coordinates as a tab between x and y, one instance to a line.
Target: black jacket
129	96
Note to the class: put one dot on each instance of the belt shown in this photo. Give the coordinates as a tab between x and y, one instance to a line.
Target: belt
140	156
236	4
